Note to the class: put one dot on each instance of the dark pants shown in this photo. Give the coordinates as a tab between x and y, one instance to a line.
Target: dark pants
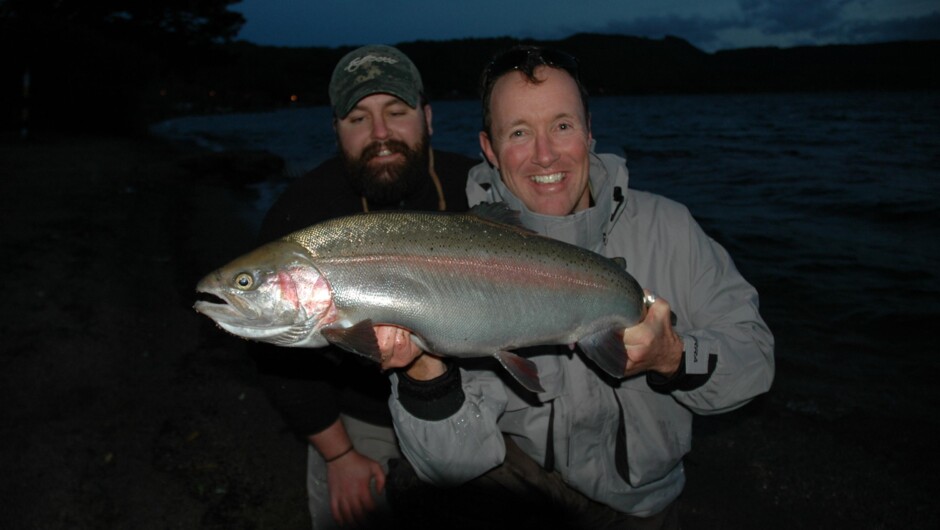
517	494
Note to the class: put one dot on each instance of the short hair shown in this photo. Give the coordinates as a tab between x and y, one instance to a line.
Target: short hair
526	59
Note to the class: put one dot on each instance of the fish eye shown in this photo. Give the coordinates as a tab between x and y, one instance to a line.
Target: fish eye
244	281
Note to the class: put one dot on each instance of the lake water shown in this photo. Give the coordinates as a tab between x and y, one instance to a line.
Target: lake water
828	202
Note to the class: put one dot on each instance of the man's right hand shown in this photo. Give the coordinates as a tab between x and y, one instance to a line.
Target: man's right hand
350	478
399	351
349	475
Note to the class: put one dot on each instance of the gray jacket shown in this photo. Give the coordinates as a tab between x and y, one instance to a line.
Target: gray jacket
617	441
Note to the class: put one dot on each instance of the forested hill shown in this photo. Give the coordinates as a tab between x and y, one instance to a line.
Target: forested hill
94	82
615	64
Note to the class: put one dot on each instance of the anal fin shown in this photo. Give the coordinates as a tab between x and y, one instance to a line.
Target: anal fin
524	370
606	349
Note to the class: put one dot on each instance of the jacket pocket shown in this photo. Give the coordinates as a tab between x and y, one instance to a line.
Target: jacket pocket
654	434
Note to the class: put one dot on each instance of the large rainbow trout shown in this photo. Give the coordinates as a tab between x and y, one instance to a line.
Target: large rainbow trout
465	285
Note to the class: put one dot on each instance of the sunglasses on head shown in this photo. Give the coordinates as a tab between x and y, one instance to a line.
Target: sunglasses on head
526	60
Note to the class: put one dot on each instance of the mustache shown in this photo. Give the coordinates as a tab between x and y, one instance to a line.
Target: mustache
372	150
387	183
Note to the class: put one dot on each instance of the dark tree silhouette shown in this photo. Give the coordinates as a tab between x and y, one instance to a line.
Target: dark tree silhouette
118	64
105	64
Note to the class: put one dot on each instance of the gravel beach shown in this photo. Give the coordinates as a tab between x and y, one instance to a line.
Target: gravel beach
123	408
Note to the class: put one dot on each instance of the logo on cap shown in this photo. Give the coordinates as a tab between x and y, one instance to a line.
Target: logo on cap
368	59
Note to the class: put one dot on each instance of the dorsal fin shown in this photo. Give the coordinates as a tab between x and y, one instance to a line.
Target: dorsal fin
620	261
498	212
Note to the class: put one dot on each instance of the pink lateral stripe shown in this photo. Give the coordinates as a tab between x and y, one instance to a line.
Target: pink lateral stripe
493	270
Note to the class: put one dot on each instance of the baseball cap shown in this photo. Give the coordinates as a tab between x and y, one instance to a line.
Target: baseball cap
371	70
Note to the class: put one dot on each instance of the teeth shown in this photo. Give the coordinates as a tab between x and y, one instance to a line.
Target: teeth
548	179
385	152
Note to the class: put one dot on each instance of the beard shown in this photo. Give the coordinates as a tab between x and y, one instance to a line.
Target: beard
388	183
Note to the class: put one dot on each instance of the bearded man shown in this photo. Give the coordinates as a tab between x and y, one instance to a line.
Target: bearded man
334	400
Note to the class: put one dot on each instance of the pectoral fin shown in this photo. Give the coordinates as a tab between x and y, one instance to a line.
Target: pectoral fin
606	349
358	338
524	370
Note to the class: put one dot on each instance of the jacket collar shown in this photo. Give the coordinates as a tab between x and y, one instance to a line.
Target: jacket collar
587	228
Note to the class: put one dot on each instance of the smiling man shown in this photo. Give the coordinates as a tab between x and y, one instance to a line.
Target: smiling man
338	402
540	151
382	123
612	448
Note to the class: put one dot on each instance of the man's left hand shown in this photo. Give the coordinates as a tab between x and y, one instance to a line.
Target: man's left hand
653	344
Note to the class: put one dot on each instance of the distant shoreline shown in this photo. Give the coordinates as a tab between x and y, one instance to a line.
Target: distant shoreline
243	77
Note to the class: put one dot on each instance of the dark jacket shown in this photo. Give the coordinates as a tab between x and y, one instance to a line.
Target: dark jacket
310	387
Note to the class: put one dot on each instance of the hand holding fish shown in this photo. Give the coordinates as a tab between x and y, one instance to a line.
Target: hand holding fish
399	351
653	344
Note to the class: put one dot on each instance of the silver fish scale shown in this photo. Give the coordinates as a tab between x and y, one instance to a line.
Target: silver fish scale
467	285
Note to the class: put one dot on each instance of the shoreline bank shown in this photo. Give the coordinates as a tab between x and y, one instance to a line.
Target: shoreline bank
123	408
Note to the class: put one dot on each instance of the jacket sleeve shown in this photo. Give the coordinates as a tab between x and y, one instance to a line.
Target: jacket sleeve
728	348
446	428
298	384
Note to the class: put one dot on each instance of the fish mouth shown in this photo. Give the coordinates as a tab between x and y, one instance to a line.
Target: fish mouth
209	298
240	318
214	304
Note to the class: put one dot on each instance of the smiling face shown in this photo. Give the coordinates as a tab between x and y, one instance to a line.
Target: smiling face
384	144
539	140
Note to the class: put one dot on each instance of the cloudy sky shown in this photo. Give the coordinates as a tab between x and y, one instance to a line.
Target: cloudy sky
708	24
